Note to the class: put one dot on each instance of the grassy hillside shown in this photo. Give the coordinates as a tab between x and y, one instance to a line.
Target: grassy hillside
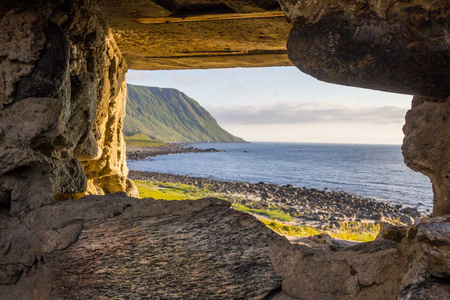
168	115
141	140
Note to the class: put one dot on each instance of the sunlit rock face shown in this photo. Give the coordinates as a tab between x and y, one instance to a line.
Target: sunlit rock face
395	46
107	170
150	40
56	61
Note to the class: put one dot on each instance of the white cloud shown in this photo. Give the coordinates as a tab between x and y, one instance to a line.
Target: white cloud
136	76
180	79
237	86
301	113
362	133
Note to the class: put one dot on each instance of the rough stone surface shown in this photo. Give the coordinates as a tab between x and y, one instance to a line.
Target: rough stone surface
392	233
365	271
428	254
107	171
256	42
426	146
56	61
415	268
22	40
435	237
395	46
115	247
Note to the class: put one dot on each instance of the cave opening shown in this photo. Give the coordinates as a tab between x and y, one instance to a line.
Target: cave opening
342	143
68	128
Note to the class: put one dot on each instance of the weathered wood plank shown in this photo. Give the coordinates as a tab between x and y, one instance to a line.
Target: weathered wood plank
215	17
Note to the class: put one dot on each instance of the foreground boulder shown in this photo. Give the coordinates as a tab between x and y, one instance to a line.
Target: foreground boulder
417	267
116	247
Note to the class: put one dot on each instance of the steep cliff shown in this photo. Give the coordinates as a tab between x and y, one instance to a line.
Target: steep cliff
169	115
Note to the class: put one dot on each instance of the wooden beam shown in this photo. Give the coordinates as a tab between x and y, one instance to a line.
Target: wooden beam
222	53
216	17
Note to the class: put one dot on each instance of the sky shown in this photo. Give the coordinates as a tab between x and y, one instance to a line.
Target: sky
282	104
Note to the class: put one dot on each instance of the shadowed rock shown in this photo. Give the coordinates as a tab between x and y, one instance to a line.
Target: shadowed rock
395	46
105	247
426	146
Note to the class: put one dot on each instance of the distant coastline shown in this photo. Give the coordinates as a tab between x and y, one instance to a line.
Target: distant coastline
135	153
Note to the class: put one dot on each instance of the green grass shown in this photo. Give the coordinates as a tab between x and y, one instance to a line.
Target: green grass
272	214
356	231
142	140
300	231
170	191
353	231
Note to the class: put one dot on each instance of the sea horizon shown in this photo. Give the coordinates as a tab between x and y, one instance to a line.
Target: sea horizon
283	142
367	170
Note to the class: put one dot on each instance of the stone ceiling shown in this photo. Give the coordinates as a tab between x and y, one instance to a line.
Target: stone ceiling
189	34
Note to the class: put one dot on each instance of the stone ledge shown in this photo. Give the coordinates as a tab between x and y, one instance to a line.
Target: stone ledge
109	247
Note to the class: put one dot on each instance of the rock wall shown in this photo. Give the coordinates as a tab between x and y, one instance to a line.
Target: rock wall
395	46
56	61
107	171
426	146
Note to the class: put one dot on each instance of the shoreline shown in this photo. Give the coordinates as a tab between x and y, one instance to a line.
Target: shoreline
136	153
311	207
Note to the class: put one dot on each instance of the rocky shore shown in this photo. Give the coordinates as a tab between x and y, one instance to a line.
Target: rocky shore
135	153
311	207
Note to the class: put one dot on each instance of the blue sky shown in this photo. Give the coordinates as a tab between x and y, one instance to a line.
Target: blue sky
282	104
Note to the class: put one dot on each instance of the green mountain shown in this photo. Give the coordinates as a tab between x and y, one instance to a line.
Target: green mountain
168	115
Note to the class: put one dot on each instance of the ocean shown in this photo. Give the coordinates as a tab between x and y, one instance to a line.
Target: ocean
373	171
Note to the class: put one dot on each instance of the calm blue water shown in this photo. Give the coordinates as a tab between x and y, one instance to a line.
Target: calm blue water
375	171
